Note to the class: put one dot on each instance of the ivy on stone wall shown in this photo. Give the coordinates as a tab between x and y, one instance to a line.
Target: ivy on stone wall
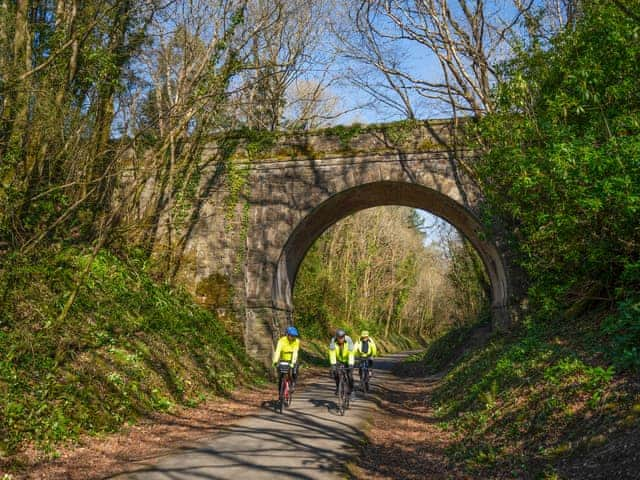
244	232
236	179
188	184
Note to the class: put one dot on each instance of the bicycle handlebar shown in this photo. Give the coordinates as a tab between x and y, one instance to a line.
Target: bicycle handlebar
342	366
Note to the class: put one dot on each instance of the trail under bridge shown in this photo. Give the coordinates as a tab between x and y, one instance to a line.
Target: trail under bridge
309	441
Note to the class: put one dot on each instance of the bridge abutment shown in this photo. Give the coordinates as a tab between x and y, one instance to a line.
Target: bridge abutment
263	326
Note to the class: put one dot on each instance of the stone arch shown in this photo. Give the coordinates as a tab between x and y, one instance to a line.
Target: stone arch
360	197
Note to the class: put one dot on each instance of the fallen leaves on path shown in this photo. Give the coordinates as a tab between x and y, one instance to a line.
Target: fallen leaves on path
98	457
403	439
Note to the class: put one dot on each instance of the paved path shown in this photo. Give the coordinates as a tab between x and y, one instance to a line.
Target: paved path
309	441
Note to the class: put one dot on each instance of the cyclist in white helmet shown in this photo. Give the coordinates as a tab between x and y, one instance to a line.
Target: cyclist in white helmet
365	351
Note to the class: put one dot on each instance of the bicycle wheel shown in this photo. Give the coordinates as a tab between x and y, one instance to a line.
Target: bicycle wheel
342	394
280	406
367	375
347	393
363	381
288	395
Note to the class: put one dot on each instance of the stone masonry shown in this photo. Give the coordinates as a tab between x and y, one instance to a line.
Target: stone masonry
244	249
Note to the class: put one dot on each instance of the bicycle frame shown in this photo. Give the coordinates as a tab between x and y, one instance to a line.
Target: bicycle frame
343	395
284	385
365	374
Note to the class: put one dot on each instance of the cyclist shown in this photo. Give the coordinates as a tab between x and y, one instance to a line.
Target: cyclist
287	351
365	351
341	349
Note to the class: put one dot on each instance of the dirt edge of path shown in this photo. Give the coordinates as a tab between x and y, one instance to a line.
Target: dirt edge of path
403	440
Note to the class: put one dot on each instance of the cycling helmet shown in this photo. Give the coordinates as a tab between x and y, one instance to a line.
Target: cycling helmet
340	333
293	331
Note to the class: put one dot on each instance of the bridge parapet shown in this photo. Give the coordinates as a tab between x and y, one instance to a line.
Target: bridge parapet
344	141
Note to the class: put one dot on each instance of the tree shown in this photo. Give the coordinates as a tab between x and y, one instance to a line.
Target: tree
372	270
62	64
282	53
561	160
189	67
310	104
421	57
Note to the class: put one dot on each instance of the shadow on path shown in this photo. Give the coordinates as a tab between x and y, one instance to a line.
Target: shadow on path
309	441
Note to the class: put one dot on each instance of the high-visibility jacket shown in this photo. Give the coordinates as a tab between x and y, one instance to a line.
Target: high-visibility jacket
344	353
287	351
366	348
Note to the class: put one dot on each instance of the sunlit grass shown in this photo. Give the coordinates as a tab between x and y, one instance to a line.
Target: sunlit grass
525	400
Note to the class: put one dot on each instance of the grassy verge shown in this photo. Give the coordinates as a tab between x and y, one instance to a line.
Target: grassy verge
128	347
314	352
444	351
536	402
398	342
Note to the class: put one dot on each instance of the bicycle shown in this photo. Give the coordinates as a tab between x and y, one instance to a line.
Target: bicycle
365	376
285	393
343	388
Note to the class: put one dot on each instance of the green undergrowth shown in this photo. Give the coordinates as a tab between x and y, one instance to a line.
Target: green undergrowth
399	342
314	352
443	351
128	347
527	404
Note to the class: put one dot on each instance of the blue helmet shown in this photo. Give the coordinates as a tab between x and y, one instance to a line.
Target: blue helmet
293	331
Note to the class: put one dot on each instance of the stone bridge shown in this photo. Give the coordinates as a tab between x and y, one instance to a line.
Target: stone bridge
253	230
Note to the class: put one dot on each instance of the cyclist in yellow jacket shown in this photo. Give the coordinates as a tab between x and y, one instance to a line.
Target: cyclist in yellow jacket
287	351
365	351
341	349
